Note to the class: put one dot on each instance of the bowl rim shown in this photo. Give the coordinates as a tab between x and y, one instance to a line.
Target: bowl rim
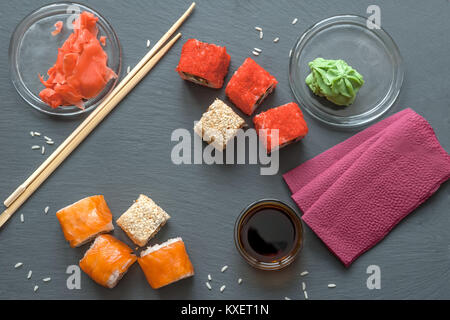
369	116
16	40
291	256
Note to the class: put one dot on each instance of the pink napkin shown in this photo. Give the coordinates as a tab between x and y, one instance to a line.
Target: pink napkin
353	194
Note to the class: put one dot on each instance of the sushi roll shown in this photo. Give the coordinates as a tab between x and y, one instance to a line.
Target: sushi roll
142	220
287	119
107	260
203	63
85	219
249	86
166	263
218	125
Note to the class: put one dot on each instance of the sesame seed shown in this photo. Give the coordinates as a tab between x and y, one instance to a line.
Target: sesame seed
306	295
29	274
128	69
239	280
208	285
47	279
287	298
258	29
18	265
37	133
303	286
36	288
224	268
255	53
304	273
276	39
294	21
222	288
331	285
43	150
35	147
148	43
21	218
209	277
257	50
46	209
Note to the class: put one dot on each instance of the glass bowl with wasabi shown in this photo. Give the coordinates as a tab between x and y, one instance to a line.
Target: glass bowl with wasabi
345	74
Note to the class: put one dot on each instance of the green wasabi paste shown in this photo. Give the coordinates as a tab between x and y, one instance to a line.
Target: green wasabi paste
335	80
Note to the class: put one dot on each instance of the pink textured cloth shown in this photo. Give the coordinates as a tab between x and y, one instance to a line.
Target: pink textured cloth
353	194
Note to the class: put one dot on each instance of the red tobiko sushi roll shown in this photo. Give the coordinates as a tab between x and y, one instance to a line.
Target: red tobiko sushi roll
203	63
287	119
249	86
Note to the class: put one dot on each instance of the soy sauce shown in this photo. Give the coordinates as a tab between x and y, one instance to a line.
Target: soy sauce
268	234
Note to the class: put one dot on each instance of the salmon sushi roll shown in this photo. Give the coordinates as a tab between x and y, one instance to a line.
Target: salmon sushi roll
203	63
287	120
85	219
166	263
107	260
249	86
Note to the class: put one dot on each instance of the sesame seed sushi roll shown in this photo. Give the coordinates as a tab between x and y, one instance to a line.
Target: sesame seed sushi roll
107	260
249	86
85	219
166	263
203	63
287	119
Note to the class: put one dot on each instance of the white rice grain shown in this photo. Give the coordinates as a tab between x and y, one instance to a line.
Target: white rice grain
290	53
287	298
35	147
18	265
306	295
37	133
255	53
32	133
29	274
47	279
208	285
294	21
276	39
36	288
261	35
257	50
128	69
304	273
209	277
224	268
222	288
239	280
258	29
50	142
47	138
303	286
43	150
331	285
46	209
22	218
148	43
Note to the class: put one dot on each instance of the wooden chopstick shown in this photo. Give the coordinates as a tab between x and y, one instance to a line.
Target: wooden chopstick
118	88
21	194
79	138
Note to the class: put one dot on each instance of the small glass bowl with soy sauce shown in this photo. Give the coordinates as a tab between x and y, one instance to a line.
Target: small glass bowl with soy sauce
268	234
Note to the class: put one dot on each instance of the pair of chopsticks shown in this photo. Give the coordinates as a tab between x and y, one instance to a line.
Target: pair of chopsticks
26	189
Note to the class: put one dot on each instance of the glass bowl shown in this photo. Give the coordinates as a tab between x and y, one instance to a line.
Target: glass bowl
252	259
33	50
372	52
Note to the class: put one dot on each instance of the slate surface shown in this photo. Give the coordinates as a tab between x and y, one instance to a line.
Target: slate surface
129	153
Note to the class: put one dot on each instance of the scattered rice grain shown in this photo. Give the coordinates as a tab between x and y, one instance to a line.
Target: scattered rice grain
35	147
46	209
128	69
276	39
21	218
18	265
36	288
294	21
287	298
224	268
261	35
208	285
49	142
304	273
47	279
303	286
257	50
43	150
29	274
290	53
255	53
37	133
239	280
32	133
331	285
209	277
47	138
258	29
222	288
148	43
306	295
